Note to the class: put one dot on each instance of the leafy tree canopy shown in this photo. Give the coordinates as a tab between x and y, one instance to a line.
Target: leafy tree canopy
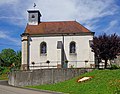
107	47
9	56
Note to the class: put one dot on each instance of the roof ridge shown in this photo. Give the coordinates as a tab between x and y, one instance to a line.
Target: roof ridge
57	21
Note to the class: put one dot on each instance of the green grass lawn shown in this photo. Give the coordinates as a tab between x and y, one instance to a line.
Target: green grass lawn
103	82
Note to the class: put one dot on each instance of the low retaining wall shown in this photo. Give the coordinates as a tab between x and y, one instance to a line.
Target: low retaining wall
43	76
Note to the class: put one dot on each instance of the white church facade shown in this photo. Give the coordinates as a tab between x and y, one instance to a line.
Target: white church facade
62	44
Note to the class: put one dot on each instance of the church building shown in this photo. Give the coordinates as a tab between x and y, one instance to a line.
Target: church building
60	44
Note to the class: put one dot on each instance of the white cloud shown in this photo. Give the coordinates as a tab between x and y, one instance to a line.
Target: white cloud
4	17
112	25
5	35
19	21
97	8
8	1
108	28
12	12
80	10
91	24
56	10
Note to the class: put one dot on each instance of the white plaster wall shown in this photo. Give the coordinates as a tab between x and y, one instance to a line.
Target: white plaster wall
83	51
24	50
53	54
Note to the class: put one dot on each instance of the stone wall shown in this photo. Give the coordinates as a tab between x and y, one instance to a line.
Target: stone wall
43	76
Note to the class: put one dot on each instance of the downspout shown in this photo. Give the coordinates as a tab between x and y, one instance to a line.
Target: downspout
62	52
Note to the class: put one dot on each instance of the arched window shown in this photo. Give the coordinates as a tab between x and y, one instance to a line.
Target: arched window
72	47
43	48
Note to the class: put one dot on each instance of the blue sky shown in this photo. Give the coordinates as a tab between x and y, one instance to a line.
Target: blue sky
99	16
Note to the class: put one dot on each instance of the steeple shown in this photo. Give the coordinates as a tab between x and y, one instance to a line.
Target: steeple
34	17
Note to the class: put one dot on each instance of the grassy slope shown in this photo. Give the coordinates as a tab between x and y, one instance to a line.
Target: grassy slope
104	82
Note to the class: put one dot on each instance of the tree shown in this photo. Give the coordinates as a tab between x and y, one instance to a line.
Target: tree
106	47
1	62
7	55
17	60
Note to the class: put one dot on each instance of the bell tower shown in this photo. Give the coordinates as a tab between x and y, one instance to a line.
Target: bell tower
34	17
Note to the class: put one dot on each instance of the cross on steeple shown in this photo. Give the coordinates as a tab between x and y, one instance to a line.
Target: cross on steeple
34	5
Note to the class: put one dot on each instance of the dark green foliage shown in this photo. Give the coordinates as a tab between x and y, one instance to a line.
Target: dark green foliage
106	47
10	58
9	61
7	55
17	60
1	70
1	62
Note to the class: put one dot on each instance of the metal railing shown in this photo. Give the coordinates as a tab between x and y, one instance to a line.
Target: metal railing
57	64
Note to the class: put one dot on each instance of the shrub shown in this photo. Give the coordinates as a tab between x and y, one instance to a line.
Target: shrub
1	70
115	67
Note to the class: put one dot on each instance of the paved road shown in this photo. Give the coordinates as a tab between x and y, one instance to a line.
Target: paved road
6	89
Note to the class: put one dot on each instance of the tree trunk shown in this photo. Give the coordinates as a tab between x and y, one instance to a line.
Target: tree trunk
106	64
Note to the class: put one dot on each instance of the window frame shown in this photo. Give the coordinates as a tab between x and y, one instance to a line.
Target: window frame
72	47
43	44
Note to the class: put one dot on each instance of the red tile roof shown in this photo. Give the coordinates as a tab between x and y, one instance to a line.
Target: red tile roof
56	28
